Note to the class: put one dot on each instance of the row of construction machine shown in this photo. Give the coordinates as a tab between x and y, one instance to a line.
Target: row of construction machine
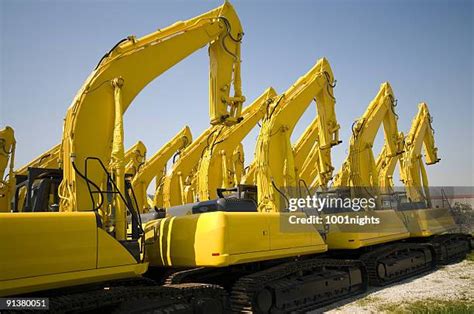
379	246
378	254
99	244
236	241
425	223
412	237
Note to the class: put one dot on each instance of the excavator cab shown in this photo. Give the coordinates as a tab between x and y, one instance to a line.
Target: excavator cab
241	191
37	191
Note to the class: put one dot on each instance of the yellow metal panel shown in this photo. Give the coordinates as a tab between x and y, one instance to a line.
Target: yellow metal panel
68	279
35	244
222	238
427	222
111	252
354	236
291	237
247	232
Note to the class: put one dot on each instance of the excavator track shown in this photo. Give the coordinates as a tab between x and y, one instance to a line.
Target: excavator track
182	298
451	247
395	262
298	287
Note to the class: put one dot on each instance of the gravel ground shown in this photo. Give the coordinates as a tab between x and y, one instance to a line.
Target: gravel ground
450	283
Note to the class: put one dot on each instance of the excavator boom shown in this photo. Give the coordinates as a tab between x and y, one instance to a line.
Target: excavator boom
359	169
274	157
123	73
385	165
413	173
156	164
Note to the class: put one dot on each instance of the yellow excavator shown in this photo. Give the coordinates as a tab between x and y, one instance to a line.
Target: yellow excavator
413	173
143	178
378	245
7	160
240	244
83	242
425	223
358	169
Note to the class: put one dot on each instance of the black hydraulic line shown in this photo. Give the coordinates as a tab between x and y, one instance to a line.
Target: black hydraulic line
282	194
88	186
333	85
110	51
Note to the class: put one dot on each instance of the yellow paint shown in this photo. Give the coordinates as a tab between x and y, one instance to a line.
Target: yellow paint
50	250
222	238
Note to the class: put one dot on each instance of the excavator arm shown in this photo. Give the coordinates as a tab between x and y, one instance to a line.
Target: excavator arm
94	120
214	170
238	163
274	156
156	164
359	170
7	160
134	158
305	142
413	173
176	183
314	168
385	165
49	159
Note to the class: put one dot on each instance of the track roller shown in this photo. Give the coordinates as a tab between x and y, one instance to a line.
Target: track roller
395	262
298	286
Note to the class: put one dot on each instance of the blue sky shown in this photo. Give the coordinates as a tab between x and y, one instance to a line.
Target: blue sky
423	48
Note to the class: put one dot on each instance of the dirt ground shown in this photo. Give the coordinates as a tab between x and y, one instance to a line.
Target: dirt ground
449	289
